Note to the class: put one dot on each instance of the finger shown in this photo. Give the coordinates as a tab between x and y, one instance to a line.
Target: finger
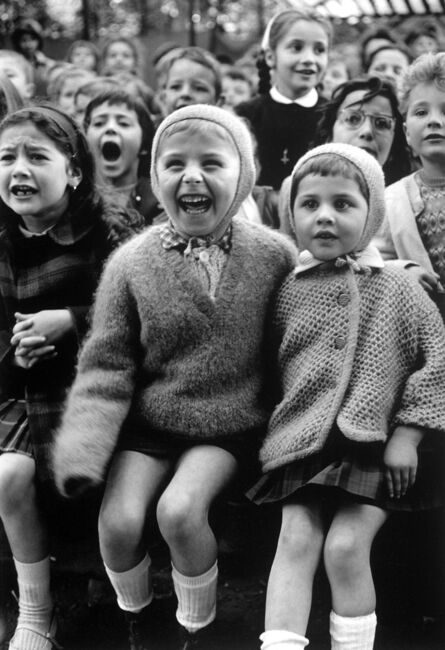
31	341
42	351
19	316
426	285
34	360
22	325
404	481
389	483
412	476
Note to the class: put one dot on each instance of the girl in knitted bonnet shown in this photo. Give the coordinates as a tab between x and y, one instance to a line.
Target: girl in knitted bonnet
167	405
361	357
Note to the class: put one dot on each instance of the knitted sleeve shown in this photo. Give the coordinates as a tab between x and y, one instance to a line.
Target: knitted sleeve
101	394
423	400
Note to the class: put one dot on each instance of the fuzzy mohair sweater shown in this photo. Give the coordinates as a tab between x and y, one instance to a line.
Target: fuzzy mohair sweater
363	350
162	355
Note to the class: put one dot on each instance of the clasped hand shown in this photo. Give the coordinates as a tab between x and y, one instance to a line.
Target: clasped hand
401	459
34	335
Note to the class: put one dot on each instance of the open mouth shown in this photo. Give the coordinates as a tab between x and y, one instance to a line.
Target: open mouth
194	203
325	235
111	151
23	190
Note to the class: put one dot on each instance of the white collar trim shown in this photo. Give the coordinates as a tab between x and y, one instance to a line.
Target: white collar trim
308	100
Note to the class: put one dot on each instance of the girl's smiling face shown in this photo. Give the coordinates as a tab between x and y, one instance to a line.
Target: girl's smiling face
198	175
329	215
300	58
35	176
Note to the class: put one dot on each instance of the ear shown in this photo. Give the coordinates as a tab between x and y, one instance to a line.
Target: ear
405	130
269	57
74	176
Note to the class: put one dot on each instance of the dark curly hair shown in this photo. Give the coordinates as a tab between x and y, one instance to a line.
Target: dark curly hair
399	162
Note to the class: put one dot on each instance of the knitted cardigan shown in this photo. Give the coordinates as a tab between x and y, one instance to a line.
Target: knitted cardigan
161	354
363	350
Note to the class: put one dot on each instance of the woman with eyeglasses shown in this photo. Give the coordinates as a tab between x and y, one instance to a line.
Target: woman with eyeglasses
364	112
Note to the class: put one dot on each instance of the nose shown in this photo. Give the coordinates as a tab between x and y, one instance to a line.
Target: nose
324	216
20	167
192	174
435	118
308	55
366	132
185	91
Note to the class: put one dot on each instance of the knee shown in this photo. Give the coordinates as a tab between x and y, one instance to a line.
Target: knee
17	473
298	541
344	554
120	528
179	517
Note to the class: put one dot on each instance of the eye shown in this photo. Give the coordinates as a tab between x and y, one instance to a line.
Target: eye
173	163
319	49
6	157
420	112
309	204
37	156
342	204
353	118
213	162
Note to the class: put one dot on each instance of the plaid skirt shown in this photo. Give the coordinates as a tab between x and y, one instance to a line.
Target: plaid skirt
14	428
355	469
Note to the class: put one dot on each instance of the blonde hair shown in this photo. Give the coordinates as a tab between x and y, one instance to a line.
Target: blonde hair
427	68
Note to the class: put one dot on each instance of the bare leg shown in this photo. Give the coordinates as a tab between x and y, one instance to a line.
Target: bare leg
202	473
134	482
289	590
19	512
347	558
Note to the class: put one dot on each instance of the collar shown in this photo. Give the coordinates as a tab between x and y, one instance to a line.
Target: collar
360	262
308	100
170	238
68	230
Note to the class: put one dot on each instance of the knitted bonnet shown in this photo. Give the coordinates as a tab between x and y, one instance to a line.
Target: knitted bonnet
372	174
239	135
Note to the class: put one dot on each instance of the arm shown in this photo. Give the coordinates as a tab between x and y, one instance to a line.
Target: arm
102	391
400	458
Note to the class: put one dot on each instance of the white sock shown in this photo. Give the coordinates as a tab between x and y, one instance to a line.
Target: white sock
352	632
133	588
282	640
196	598
35	605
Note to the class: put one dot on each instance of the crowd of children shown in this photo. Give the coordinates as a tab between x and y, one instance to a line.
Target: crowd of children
162	340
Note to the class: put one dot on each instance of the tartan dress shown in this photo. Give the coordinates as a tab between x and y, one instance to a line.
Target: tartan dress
57	270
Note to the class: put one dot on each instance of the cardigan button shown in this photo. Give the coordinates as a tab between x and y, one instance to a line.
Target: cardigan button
340	342
343	299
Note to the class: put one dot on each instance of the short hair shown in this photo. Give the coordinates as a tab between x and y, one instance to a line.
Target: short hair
379	33
20	62
237	75
64	74
119	39
390	46
133	103
87	44
96	86
197	55
329	164
427	68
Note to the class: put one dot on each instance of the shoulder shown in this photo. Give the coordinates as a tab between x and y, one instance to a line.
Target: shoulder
251	106
132	251
258	235
400	186
395	280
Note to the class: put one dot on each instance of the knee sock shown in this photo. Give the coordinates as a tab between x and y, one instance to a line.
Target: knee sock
282	640
133	588
352	632
35	605
196	598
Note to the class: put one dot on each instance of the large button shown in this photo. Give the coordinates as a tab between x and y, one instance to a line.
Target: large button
204	256
343	299
340	342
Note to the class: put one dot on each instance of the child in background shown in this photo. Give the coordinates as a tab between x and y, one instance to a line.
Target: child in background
337	72
119	54
389	62
191	76
56	233
87	91
284	117
19	71
236	88
120	133
171	381
84	55
361	355
413	227
64	85
10	99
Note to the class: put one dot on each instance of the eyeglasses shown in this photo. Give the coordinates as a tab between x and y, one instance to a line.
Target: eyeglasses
353	119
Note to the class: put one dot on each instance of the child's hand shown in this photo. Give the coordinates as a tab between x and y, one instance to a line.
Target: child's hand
428	281
52	324
31	350
400	458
